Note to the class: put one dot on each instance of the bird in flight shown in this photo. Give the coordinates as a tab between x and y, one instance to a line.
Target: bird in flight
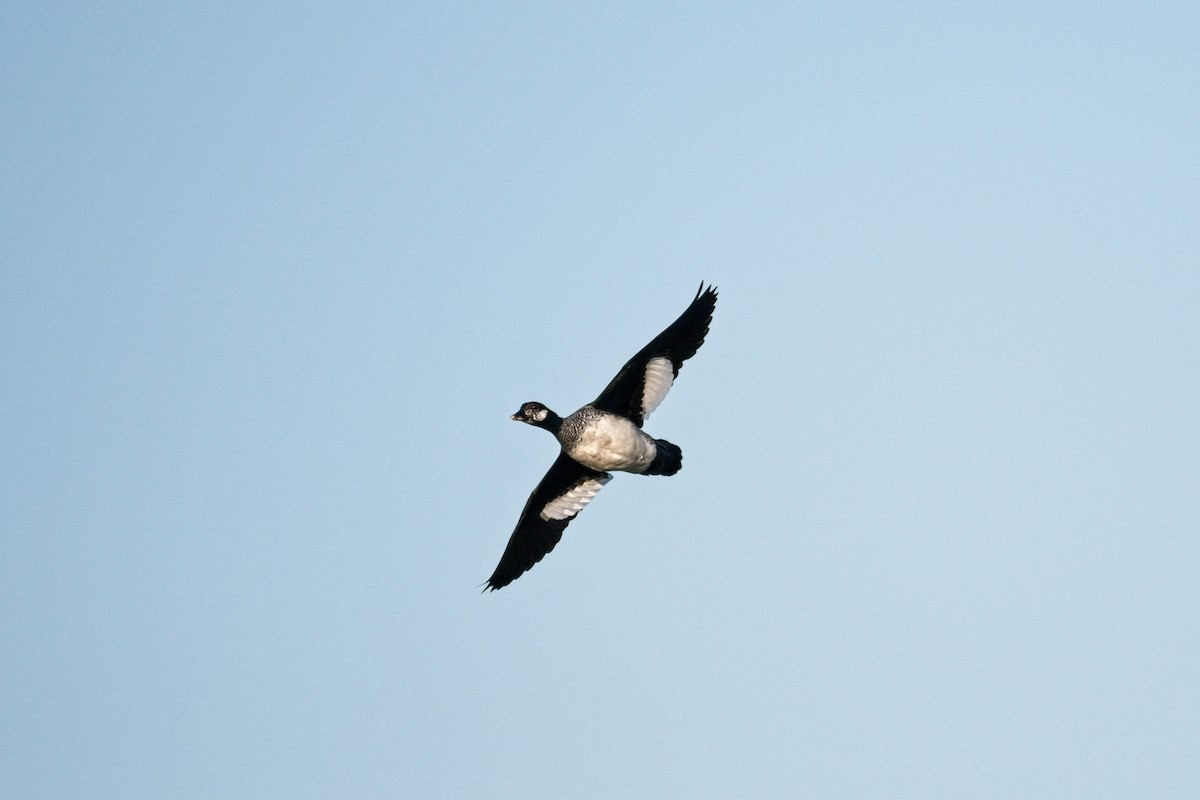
604	435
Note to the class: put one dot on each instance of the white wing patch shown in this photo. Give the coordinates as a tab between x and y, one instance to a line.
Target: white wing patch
572	502
659	377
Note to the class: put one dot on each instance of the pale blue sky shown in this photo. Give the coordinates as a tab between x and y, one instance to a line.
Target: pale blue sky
275	277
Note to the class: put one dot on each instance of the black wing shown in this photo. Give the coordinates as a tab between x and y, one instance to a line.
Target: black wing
643	382
565	490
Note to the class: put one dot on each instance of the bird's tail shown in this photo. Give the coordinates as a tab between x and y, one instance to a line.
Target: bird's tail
667	460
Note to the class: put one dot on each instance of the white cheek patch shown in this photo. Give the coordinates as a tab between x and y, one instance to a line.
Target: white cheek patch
572	502
659	377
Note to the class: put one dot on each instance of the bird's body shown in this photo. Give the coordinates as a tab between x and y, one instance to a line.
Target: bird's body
603	441
603	435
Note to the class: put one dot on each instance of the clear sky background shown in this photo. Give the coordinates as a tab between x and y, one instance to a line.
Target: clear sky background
275	277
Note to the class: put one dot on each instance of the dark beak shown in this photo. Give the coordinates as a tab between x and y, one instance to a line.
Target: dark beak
517	417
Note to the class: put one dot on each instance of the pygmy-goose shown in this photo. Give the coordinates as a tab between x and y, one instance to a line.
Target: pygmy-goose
604	435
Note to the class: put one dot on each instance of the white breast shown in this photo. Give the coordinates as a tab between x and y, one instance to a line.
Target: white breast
610	442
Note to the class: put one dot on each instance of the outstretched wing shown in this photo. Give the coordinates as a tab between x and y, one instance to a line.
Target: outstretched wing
647	377
566	489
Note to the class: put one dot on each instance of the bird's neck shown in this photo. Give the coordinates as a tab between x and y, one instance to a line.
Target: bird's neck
553	422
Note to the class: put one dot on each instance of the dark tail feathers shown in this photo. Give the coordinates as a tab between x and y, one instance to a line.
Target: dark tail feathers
667	460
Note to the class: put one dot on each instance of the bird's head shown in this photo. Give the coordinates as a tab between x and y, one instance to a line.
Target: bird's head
532	414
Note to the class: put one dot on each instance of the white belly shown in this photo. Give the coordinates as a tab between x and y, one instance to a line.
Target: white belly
610	443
